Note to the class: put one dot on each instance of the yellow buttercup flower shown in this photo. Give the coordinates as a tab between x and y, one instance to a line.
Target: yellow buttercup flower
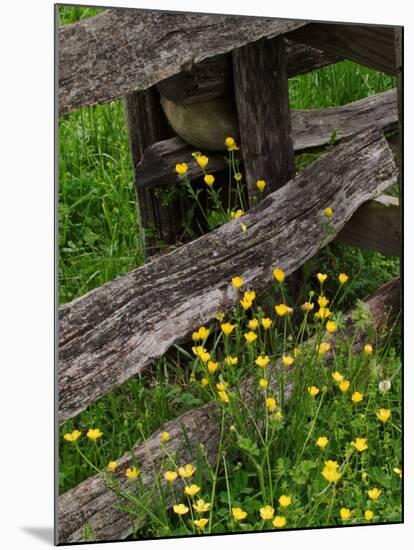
285	501
261	184
343	278
72	436
271	403
170	476
330	471
253	324
266	323
186	471
321	277
374	493
203	332
368	349
313	391
237	282
384	415
94	433
263	383
357	397
132	473
323	301
200	506
180	509
282	309
202	161
369	514
323	313
231	144
328	212
262	361
250	337
209	180
279	274
345	513
238	514
192	490
220	317
221	386
364	476
250	295
322	441
344	385
227	328
165	436
398	471
246	304
287	360
307	306
229	360
224	396
337	376
112	465
266	512
324	347
237	214
331	326
200	523
212	367
204	356
181	168
279	522
204	382
360	444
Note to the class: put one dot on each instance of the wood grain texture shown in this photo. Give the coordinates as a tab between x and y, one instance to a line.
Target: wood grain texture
263	113
113	332
146	125
213	77
375	225
92	503
121	51
310	129
370	45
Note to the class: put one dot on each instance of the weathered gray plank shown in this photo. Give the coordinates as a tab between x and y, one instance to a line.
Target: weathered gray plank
113	332
310	129
371	45
213	77
146	124
263	113
92	504
375	225
121	51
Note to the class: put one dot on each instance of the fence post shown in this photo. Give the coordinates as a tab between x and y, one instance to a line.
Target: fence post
146	125
261	90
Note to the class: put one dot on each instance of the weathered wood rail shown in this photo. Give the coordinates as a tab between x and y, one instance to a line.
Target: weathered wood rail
213	77
92	503
113	332
121	51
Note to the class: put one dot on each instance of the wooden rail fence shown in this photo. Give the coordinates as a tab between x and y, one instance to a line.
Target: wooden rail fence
173	68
